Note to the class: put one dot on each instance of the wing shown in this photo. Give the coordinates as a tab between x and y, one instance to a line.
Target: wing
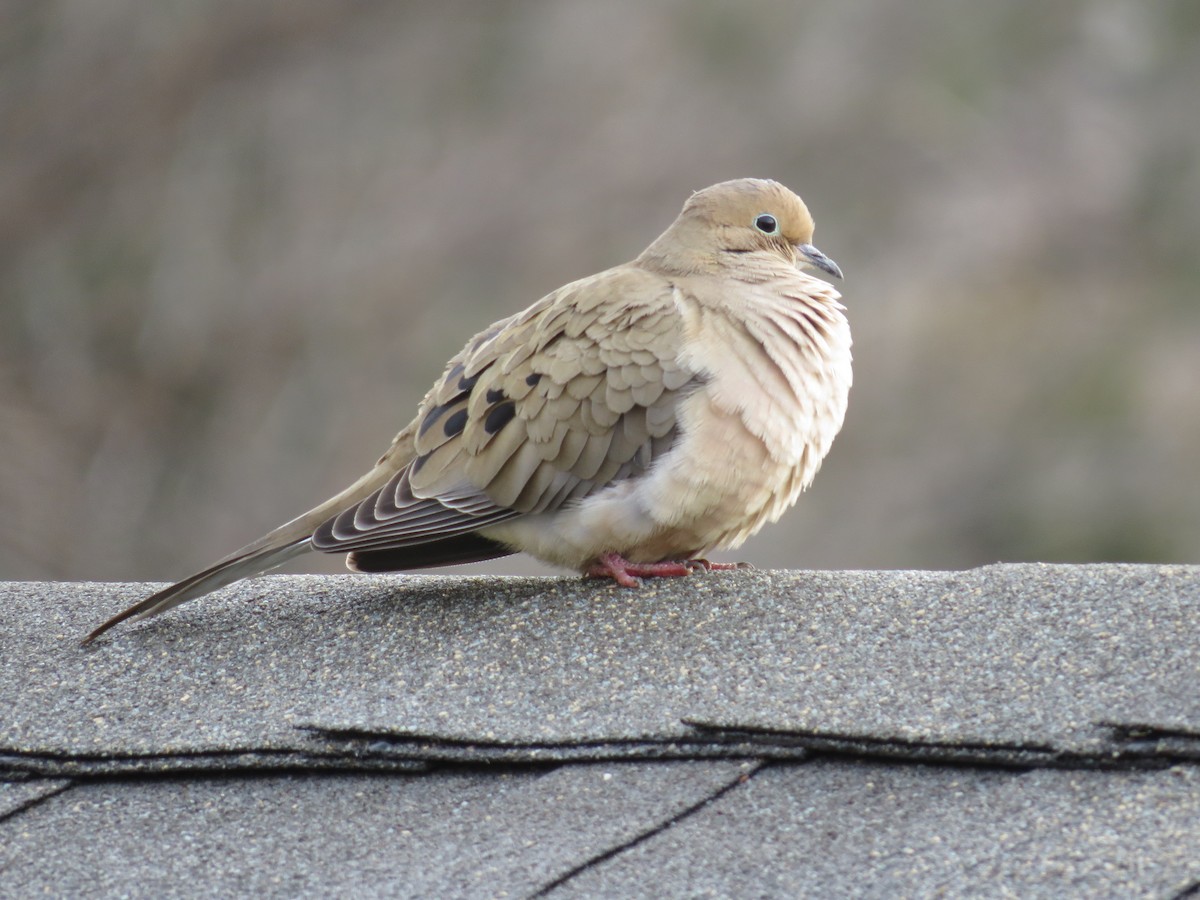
543	409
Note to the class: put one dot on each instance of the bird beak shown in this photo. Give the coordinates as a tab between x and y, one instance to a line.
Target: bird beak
820	260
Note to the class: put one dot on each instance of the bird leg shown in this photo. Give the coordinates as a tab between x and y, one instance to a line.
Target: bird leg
629	574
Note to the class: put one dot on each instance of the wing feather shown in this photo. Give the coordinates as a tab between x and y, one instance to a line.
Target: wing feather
539	411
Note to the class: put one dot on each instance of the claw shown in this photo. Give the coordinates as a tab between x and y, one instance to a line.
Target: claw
709	566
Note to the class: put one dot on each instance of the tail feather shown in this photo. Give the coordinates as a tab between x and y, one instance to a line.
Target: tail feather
271	550
243	564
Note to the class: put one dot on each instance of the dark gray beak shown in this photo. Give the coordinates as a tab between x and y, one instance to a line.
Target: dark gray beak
820	260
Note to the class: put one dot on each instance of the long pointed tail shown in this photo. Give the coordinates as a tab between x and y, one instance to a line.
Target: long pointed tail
250	561
273	549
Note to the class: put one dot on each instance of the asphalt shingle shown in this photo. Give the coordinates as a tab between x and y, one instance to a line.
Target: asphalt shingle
495	833
872	830
1018	730
1028	664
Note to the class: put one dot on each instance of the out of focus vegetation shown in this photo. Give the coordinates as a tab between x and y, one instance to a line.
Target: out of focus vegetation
239	239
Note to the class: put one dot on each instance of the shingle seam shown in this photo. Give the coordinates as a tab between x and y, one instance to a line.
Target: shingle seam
1138	732
438	749
1122	754
91	767
649	833
35	801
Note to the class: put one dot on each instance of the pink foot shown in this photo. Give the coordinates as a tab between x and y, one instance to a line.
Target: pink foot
629	574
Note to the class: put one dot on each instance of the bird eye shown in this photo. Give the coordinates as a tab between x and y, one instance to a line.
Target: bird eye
766	224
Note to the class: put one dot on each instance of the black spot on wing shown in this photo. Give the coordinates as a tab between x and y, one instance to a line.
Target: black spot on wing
533	378
456	423
494	395
466	383
433	415
464	387
499	416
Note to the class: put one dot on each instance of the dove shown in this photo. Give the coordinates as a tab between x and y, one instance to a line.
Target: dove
623	426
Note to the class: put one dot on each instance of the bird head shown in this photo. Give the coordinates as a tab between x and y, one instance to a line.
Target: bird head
749	215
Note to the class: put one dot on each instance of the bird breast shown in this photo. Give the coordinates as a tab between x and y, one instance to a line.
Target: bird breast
774	377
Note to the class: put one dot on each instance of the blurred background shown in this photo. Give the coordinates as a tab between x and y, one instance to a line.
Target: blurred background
239	239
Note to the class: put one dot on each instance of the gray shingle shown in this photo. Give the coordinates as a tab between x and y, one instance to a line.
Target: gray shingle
394	735
1028	664
870	830
495	833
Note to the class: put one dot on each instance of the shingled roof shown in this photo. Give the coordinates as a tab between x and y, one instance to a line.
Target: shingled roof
1023	730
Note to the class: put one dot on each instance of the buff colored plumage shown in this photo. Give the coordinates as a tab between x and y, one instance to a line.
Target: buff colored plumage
622	426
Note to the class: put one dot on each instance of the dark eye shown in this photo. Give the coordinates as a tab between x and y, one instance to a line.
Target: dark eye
766	224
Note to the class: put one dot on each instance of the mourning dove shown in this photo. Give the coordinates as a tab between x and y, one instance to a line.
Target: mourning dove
621	426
